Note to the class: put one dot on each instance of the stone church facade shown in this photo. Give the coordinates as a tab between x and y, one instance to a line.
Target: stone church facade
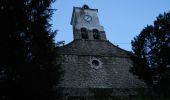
90	61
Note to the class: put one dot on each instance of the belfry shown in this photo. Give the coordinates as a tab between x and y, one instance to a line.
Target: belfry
90	61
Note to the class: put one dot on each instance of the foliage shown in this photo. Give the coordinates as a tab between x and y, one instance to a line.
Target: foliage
139	47
28	67
151	48
101	93
163	87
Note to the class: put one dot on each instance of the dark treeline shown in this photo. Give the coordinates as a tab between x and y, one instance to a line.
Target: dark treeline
28	69
151	54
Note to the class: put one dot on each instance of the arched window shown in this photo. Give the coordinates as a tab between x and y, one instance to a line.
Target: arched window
84	34
96	34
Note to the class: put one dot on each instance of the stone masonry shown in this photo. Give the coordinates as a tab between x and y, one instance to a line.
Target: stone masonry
94	62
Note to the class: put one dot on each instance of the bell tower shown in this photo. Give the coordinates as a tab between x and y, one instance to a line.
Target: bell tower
86	25
91	62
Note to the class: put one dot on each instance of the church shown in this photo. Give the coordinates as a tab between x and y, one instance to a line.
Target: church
90	61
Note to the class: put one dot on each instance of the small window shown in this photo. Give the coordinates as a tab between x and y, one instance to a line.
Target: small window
96	34
84	33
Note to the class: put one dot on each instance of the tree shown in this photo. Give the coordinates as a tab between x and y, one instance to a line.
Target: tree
139	47
28	67
163	86
152	48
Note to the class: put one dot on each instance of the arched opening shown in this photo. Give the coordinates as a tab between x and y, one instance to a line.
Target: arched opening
96	34
84	34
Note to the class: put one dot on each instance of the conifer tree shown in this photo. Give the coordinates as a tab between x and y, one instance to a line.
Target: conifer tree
28	67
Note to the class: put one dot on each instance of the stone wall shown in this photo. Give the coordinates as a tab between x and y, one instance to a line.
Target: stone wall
111	72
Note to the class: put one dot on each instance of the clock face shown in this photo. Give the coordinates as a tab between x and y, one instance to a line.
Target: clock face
87	18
